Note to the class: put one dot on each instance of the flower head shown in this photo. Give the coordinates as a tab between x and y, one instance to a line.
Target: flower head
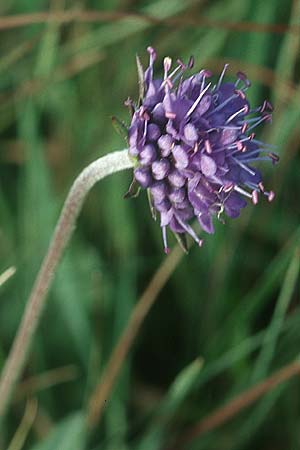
194	146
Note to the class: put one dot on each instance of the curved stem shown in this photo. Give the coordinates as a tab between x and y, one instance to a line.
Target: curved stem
102	167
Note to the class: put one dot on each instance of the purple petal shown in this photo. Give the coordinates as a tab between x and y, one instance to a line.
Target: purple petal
206	223
148	155
143	176
208	166
160	169
180	156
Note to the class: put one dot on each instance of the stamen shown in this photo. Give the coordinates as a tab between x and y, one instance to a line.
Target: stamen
168	83
274	157
165	240
170	115
271	196
196	102
167	65
240	94
264	144
149	71
145	129
143	114
224	128
254	197
269	155
191	62
266	106
206	74
244	110
243	166
249	120
242	191
221	76
244	128
222	105
242	77
256	158
240	146
251	153
175	71
189	230
181	63
207	146
152	53
226	188
266	117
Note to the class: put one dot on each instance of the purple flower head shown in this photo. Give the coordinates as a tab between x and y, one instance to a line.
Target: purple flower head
194	146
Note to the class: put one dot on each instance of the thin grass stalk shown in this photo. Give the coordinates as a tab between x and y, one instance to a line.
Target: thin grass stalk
115	363
235	406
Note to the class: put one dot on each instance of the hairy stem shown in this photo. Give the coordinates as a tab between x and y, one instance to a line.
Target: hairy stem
102	167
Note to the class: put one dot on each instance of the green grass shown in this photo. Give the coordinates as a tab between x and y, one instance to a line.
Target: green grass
229	315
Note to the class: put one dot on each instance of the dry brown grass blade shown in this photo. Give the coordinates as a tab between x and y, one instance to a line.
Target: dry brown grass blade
62	73
141	309
45	380
23	430
64	17
238	404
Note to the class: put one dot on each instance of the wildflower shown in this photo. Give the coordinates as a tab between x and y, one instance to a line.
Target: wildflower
193	145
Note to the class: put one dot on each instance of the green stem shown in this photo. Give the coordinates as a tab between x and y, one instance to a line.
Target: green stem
102	167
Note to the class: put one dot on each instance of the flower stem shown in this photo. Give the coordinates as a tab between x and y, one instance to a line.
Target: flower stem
102	167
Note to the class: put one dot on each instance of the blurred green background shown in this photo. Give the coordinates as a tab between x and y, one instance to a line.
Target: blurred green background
234	303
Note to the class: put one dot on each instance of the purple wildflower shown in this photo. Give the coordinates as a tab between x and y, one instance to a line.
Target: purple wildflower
193	144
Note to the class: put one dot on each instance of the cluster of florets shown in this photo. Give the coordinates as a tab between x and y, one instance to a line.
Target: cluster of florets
193	144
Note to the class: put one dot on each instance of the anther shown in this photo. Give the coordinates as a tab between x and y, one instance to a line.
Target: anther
170	115
207	73
271	196
266	106
269	106
181	64
263	106
246	109
274	157
254	197
240	146
244	128
228	187
240	94
191	62
207	146
243	77
167	63
152	52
